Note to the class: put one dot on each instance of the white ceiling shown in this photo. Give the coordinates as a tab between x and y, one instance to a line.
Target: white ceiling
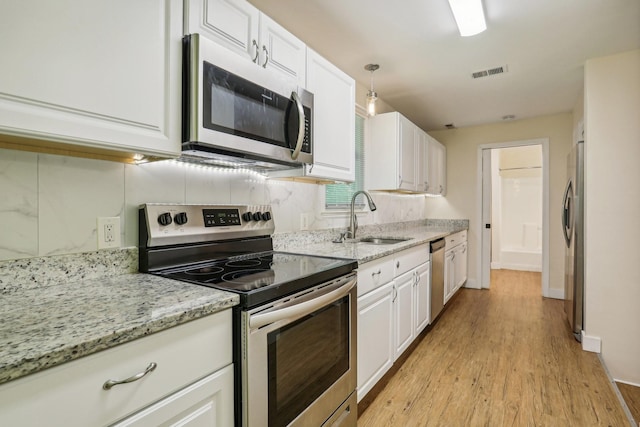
425	66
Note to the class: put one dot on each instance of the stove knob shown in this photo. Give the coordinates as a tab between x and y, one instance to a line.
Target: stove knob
266	216
257	216
246	216
180	218
165	219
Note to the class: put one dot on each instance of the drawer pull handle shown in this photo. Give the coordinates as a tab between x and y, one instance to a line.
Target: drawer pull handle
376	272
110	383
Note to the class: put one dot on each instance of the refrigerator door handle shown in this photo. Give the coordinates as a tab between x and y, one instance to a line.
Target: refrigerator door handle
567	223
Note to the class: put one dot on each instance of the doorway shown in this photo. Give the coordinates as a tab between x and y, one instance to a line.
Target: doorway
525	242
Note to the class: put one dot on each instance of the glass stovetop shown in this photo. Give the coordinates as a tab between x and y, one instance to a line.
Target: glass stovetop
263	276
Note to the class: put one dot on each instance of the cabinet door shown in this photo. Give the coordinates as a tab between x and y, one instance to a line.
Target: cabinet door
207	403
461	265
375	337
333	120
104	75
232	23
404	312
282	51
407	155
422	296
449	274
437	167
422	159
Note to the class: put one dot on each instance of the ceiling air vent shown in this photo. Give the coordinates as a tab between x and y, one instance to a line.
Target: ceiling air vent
490	72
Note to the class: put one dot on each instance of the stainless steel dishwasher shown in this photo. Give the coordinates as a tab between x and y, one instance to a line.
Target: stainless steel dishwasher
437	277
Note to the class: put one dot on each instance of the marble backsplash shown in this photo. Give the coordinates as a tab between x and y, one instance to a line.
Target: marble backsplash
51	203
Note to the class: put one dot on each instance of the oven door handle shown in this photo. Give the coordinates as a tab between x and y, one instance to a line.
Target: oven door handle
303	308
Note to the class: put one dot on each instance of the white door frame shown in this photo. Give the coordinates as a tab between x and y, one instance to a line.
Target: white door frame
544	142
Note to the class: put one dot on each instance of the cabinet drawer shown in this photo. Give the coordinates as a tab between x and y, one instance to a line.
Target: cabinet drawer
455	239
72	395
410	259
374	274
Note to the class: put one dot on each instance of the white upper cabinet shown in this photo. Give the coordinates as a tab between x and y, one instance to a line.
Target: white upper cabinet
392	154
239	26
91	76
403	157
437	168
333	120
407	150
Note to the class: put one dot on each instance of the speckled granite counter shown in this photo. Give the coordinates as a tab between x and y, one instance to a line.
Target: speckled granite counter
46	322
417	233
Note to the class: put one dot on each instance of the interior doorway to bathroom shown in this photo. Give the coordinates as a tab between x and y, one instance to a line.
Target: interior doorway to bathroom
516	208
513	208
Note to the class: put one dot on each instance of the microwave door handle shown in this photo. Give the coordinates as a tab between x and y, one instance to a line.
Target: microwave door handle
301	309
300	140
566	212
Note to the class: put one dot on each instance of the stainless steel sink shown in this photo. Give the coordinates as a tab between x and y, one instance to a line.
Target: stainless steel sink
382	240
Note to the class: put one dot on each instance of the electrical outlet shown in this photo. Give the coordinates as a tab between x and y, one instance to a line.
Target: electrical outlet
304	221
108	232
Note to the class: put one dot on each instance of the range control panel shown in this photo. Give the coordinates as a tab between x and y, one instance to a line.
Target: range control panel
170	224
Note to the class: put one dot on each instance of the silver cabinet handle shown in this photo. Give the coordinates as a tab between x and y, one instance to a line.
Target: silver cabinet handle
395	294
111	383
266	60
397	264
376	272
255	58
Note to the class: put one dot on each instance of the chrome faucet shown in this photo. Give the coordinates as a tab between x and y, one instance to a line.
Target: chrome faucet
353	220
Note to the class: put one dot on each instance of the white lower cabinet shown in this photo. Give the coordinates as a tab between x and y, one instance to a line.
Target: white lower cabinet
375	337
403	308
422	297
192	381
393	308
206	403
449	274
455	263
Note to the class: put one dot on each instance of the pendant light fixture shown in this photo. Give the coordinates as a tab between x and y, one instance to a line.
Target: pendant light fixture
469	16
372	96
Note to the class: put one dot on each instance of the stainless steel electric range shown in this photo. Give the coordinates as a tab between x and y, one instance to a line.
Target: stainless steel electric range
295	326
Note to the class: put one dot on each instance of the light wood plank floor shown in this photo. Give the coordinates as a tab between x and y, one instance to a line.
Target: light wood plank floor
499	357
631	396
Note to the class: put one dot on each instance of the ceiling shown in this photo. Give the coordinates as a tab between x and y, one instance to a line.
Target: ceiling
425	66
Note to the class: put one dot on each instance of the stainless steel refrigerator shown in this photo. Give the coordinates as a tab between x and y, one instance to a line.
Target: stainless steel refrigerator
573	229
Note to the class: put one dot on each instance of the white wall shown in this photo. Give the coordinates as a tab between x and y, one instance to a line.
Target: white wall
612	210
461	201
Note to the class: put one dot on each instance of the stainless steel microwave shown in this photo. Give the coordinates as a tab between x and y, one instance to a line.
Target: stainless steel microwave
239	112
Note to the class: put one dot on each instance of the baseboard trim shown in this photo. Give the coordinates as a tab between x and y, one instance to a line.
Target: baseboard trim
616	390
592	344
555	293
471	284
627	383
520	267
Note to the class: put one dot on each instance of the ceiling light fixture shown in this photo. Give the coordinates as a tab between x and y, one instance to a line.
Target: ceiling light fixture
469	16
372	96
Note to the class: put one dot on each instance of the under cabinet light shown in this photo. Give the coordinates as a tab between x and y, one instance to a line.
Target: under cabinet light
469	16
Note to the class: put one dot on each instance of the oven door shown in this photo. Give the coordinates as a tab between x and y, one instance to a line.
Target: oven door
299	356
237	107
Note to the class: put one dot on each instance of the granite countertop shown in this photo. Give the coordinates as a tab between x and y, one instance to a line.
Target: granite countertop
44	326
365	252
60	308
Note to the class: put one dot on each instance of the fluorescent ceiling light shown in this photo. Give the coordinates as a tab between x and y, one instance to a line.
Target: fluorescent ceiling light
469	16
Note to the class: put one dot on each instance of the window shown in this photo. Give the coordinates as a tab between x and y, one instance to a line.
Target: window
338	196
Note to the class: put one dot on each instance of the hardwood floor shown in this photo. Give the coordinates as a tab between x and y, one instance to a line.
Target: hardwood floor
499	357
631	395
